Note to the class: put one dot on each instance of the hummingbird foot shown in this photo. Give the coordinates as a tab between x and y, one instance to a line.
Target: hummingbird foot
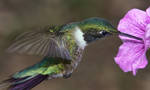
55	76
68	75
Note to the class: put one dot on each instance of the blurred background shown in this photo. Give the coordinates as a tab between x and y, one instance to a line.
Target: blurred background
97	71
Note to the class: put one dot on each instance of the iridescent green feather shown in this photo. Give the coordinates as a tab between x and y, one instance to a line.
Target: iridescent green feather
98	24
70	41
47	66
69	27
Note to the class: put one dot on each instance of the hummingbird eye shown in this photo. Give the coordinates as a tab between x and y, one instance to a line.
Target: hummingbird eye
93	35
103	33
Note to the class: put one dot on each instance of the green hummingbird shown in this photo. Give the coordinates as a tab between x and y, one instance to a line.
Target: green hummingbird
62	48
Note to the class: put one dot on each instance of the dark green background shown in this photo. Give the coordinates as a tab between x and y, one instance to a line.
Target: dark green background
97	71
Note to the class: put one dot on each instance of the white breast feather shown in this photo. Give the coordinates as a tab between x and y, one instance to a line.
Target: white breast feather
78	34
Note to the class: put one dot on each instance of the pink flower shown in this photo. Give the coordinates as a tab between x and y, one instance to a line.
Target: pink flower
132	53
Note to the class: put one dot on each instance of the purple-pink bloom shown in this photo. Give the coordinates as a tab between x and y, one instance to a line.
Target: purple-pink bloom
132	53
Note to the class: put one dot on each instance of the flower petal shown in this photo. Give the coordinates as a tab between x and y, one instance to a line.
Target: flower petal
148	11
131	56
147	37
134	23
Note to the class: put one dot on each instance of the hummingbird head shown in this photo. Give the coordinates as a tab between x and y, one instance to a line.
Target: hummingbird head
96	28
92	29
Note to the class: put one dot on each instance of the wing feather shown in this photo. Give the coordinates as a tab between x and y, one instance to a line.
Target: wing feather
40	43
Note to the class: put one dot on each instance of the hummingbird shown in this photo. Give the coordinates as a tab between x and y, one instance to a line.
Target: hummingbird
62	48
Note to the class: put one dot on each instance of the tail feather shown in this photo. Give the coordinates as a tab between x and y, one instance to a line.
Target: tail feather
33	75
24	83
27	85
5	84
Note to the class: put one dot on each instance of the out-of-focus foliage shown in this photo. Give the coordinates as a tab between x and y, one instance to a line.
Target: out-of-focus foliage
97	70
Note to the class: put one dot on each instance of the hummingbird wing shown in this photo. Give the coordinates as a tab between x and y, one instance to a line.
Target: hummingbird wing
42	42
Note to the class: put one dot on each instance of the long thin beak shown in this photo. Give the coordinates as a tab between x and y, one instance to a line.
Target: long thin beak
128	35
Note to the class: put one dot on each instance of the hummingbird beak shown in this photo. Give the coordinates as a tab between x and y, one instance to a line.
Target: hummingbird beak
128	35
116	31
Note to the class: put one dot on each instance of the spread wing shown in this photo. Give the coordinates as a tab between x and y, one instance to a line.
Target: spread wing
43	43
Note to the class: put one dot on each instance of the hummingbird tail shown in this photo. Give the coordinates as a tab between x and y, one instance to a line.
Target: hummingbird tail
5	84
26	83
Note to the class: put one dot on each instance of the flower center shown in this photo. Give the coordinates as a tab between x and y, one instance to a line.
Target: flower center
147	36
